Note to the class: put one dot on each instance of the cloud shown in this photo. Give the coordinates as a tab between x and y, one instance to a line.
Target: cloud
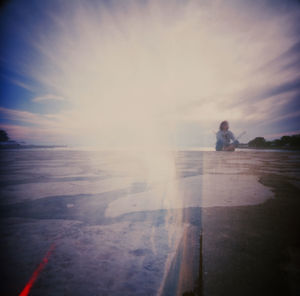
22	84
48	97
132	71
41	128
25	117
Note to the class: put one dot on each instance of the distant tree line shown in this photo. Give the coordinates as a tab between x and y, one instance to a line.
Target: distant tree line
7	143
283	142
3	136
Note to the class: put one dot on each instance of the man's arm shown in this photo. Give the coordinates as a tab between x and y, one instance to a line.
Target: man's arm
219	137
219	144
232	137
235	142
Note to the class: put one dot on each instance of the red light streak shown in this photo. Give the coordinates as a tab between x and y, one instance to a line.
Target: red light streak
38	270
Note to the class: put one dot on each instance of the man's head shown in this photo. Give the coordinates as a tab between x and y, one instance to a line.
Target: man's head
224	126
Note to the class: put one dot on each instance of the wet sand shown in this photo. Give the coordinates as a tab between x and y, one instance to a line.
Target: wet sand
254	250
123	227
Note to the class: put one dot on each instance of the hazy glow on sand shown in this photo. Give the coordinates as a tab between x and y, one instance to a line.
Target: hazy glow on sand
198	191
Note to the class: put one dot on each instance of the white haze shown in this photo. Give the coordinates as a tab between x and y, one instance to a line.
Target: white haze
135	71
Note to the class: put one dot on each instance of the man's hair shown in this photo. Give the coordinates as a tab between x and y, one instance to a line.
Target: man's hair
222	124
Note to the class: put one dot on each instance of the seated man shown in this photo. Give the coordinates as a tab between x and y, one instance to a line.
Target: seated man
224	138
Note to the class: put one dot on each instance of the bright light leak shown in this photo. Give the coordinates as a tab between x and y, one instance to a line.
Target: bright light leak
132	71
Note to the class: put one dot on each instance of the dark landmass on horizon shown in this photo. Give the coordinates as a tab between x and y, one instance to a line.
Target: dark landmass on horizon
7	143
285	142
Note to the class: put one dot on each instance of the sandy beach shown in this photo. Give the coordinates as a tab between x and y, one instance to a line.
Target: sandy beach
129	223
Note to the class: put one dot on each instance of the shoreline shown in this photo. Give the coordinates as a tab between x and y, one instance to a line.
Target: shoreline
285	149
17	147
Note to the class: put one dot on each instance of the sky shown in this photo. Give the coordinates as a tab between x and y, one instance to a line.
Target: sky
148	73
